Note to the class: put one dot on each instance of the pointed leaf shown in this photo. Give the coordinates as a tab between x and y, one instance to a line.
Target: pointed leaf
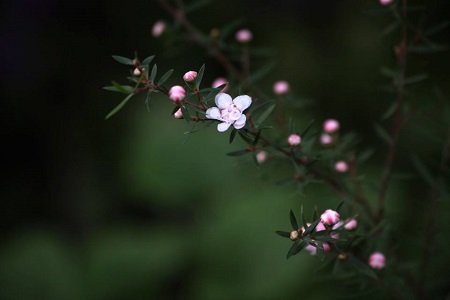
232	135
303	134
381	132
303	218
148	60
123	60
392	108
293	220
311	227
200	75
296	248
164	78
416	78
154	72
116	87
422	169
119	107
338	208
186	115
238	153
362	268
265	114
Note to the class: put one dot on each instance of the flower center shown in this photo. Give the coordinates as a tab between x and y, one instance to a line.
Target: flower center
230	114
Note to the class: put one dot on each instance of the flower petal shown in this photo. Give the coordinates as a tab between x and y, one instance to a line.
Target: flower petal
242	102
223	100
223	127
213	113
240	122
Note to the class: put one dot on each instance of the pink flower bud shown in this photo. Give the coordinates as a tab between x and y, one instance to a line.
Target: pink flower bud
329	217
261	157
326	139
158	28
386	2
244	36
350	225
218	82
281	87
294	235
377	260
177	93
137	72
190	76
313	250
341	166
294	140
331	126
178	114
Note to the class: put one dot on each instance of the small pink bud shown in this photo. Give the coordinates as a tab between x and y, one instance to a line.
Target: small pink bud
294	235
386	2
158	28
178	114
313	250
261	157
377	260
177	93
137	72
190	76
331	126
294	140
218	82
341	166
329	217
281	87
326	139
244	36
350	225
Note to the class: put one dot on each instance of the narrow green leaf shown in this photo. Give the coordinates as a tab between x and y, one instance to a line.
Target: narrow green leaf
303	217
125	89
245	137
164	78
416	78
296	248
154	72
362	268
123	60
200	75
381	132
422	169
388	72
148	60
265	114
303	134
232	135
261	72
389	111
196	6
311	227
427	49
338	208
229	28
148	98
293	220
119	107
315	214
238	153
186	115
390	28
284	234
365	155
437	28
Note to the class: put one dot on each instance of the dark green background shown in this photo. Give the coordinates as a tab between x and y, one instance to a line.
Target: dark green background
122	209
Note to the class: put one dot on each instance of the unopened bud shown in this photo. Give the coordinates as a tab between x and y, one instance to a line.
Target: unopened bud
218	82
329	217
177	93
294	140
386	2
331	126
281	87
377	260
326	139
158	28
137	72
294	235
244	36
190	76
178	114
261	157
350	225
341	166
342	256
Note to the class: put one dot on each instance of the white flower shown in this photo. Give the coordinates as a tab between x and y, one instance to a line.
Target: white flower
229	111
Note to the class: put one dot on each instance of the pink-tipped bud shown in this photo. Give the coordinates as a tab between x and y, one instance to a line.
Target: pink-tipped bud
261	157
137	72
190	76
329	217
294	235
386	2
326	139
341	166
377	260
331	126
244	36
177	93
178	114
218	82
350	225
158	28
281	87
294	140
313	250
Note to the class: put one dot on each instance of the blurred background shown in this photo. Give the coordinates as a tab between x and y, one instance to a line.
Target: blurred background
123	209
